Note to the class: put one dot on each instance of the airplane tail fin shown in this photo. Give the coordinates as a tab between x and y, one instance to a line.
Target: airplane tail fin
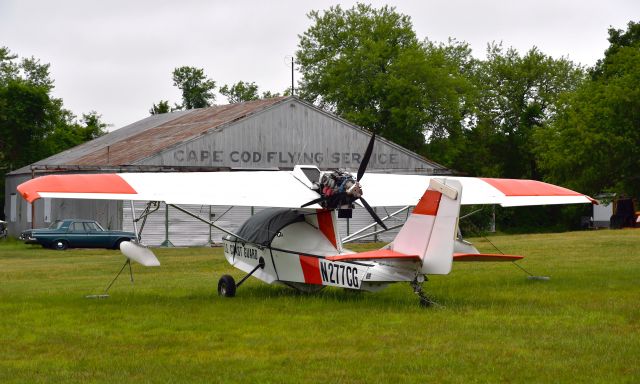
430	230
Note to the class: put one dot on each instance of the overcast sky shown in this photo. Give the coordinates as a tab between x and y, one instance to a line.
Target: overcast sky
116	56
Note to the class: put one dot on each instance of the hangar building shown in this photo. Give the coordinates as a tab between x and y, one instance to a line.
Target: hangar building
269	134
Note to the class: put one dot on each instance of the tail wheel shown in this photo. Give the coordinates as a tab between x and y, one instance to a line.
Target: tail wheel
226	286
60	245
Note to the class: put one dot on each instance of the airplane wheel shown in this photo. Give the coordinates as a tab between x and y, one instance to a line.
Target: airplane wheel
226	286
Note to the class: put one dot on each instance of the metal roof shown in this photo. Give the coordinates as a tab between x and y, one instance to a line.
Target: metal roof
129	145
141	139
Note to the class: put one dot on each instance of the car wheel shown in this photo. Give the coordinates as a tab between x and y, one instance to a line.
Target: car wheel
117	246
226	286
60	245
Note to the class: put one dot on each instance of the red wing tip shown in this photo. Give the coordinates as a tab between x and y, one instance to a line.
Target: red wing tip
26	194
108	183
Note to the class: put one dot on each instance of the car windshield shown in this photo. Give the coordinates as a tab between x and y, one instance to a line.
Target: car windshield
56	224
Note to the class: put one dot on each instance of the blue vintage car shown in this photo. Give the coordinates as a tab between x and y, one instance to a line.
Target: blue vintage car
63	234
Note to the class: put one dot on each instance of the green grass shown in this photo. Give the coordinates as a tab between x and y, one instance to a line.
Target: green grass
494	325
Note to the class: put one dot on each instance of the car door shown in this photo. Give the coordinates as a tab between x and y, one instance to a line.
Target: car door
96	236
77	234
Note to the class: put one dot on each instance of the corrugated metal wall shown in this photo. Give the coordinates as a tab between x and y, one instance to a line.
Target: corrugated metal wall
107	213
185	230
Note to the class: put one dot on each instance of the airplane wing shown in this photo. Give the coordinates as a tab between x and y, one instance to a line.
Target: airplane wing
398	190
259	189
282	189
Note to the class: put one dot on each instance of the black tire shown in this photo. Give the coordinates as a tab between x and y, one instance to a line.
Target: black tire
60	245
226	286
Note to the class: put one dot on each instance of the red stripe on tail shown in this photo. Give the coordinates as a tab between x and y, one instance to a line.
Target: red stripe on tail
325	222
428	204
311	269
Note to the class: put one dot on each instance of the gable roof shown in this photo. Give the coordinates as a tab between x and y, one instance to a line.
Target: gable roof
130	145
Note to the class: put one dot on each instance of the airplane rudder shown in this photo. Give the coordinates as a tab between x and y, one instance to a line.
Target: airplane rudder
438	257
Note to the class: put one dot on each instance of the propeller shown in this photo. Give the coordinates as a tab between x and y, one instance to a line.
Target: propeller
361	170
342	197
314	201
367	156
373	213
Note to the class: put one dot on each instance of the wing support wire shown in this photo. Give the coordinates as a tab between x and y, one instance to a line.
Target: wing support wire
354	236
211	223
530	275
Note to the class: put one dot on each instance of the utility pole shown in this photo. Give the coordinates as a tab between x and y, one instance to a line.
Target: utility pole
292	87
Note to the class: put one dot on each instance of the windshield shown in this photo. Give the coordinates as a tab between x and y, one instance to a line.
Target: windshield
56	224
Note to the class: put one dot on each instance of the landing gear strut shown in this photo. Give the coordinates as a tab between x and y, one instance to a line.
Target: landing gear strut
416	284
227	286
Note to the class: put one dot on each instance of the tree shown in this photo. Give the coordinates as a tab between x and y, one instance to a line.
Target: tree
593	144
367	66
618	39
269	94
27	111
240	92
514	95
453	113
94	127
161	107
197	89
69	132
33	124
244	91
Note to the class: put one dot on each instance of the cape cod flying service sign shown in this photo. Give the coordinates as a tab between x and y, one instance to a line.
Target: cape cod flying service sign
275	158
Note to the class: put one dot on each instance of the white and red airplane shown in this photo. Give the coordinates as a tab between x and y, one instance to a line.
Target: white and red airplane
296	241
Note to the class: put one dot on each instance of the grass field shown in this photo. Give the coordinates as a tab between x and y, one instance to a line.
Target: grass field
493	325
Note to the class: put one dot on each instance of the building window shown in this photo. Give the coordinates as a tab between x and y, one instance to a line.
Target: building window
47	209
14	207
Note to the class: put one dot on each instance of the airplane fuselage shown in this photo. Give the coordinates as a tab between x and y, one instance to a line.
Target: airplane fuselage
298	253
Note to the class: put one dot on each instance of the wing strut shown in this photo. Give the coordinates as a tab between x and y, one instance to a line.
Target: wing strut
135	222
151	207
